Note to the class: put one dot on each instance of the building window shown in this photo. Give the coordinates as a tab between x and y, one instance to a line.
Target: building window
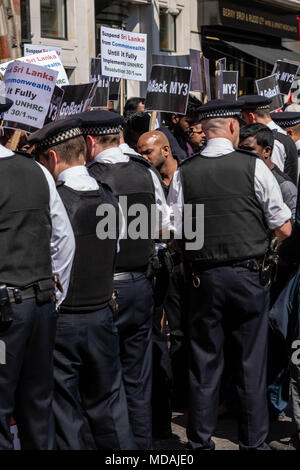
53	19
167	31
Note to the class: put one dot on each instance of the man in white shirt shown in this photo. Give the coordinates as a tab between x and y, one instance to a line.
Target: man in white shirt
87	367
37	242
235	199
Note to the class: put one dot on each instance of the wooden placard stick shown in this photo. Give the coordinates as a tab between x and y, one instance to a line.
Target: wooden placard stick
152	121
204	95
122	97
217	78
15	140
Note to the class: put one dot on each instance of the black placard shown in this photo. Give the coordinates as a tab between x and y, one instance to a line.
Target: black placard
77	99
269	88
95	74
222	63
286	73
55	104
168	89
227	84
196	82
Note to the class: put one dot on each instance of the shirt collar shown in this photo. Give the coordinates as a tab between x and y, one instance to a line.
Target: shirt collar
217	146
79	170
4	152
298	144
272	125
111	155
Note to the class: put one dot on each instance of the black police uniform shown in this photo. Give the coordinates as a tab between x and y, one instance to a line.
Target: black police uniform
134	292
225	290
87	367
26	376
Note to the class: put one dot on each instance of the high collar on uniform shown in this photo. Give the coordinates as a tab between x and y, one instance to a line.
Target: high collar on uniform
78	178
111	155
217	147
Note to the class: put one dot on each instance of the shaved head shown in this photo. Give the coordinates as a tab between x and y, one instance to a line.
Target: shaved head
154	147
157	137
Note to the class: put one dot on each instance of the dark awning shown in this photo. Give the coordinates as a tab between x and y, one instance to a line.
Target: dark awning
266	54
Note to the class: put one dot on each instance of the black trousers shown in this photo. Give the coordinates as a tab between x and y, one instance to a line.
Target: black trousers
26	380
231	299
135	301
88	383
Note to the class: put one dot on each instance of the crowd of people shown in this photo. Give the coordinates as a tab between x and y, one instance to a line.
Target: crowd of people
147	271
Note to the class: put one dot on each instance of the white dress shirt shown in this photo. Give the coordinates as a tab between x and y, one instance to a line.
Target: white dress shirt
115	155
78	178
278	154
62	244
266	189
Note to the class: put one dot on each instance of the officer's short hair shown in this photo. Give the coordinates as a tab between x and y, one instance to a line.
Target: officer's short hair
106	140
264	135
70	150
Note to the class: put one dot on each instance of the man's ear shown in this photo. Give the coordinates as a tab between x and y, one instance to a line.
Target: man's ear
53	160
175	118
290	132
267	152
90	144
252	118
165	150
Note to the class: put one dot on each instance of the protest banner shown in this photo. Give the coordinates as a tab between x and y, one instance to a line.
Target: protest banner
30	87
114	83
205	78
31	49
196	82
55	105
172	60
76	99
227	84
45	59
102	92
123	54
286	73
269	87
168	89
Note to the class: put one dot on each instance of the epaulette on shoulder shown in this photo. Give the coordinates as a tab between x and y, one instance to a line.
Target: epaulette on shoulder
189	159
59	184
143	161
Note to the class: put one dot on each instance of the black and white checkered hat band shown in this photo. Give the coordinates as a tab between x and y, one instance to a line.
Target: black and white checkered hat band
220	113
95	130
60	138
253	107
286	123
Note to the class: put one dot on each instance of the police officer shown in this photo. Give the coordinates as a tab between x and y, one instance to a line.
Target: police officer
290	122
256	109
88	373
241	201
134	182
36	242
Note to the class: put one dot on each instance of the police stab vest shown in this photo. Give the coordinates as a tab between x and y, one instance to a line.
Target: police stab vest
234	224
91	280
25	222
133	180
291	162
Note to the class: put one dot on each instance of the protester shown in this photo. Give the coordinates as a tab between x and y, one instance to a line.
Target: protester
290	121
134	105
196	138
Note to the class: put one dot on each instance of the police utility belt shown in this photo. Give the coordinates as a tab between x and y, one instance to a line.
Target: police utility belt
43	291
266	266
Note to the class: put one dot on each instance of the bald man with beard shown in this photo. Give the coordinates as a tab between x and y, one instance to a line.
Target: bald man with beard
155	147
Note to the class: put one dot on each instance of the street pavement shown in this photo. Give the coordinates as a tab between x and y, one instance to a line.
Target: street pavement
225	437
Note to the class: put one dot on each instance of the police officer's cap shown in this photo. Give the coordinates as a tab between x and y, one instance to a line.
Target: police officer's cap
100	122
220	109
286	119
5	104
55	133
255	102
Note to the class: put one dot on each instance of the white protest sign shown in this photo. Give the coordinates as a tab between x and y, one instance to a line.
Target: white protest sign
30	49
123	54
30	87
46	59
